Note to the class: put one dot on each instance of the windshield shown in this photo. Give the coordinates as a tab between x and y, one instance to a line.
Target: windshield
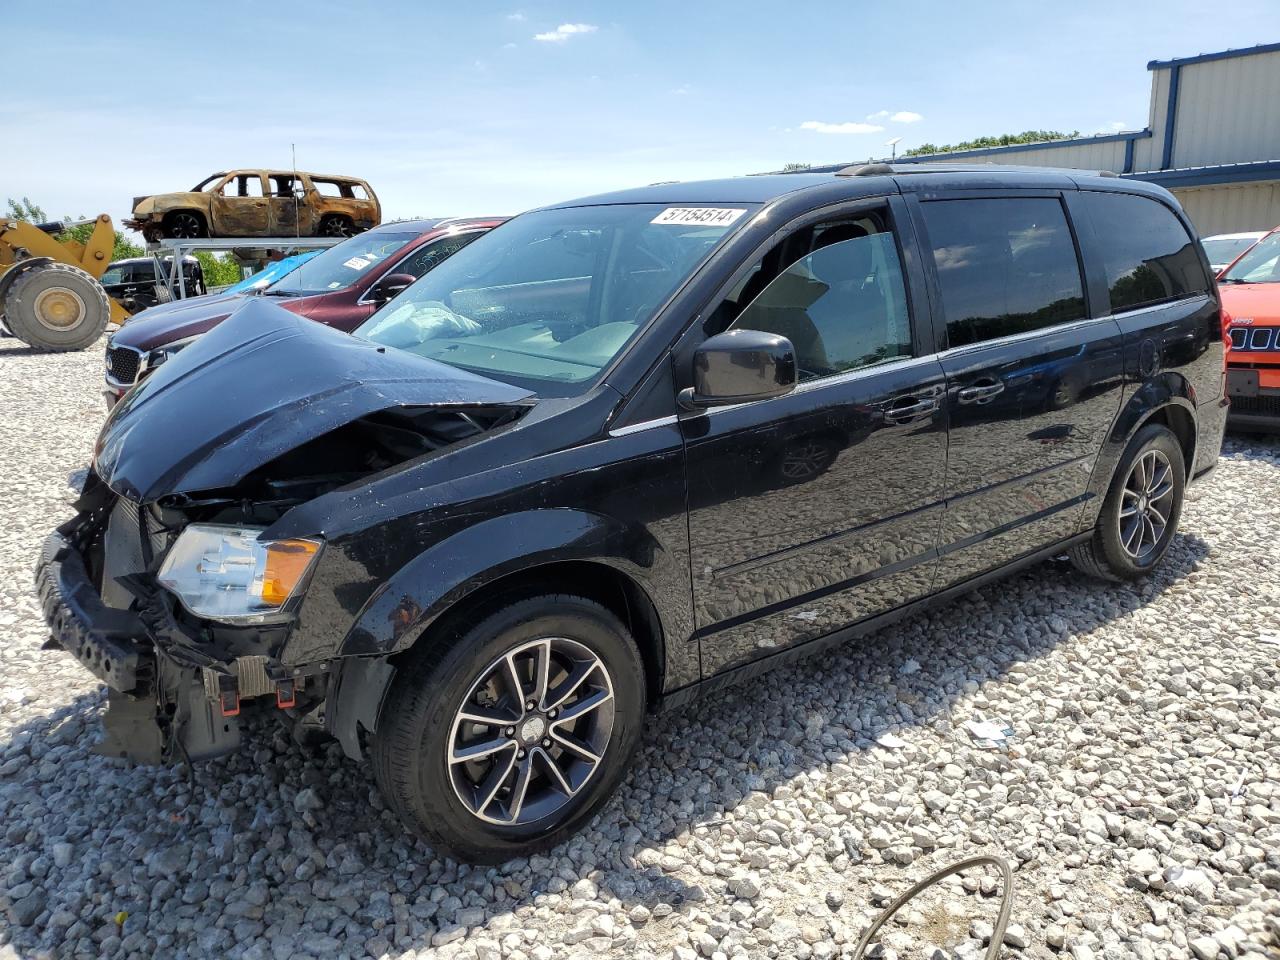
1227	249
342	265
272	274
551	297
216	178
1260	265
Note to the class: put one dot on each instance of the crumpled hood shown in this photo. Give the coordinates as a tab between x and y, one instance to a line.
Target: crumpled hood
176	320
257	386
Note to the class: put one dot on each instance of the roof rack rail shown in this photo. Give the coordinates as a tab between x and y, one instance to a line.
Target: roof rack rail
866	170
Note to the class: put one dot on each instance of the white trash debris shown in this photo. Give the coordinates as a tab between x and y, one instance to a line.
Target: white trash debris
990	734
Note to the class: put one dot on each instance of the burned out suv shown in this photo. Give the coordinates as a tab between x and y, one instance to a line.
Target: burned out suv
259	203
621	450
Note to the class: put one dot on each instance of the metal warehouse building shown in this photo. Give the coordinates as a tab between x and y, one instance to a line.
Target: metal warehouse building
1212	137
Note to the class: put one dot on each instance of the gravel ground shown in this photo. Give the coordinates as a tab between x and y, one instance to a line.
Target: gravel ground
1139	800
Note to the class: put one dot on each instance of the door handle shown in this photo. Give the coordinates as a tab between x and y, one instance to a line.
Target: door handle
981	392
912	410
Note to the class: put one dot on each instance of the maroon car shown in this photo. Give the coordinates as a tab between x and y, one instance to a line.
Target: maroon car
339	287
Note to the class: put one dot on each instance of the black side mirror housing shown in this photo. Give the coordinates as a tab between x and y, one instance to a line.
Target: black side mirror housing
392	284
739	366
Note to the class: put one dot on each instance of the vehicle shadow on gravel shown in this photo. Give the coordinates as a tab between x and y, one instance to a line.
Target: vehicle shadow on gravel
284	845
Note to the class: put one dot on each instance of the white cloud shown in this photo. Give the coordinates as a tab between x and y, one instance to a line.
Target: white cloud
517	17
1117	125
901	116
508	46
563	32
821	126
682	91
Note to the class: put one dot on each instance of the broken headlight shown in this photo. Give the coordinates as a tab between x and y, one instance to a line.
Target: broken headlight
227	573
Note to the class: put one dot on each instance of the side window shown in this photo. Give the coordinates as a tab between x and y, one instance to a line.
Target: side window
836	292
331	188
1147	254
426	257
142	272
281	185
243	185
1005	266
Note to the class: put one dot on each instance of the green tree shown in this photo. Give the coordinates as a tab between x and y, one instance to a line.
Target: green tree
25	210
218	271
1004	140
795	167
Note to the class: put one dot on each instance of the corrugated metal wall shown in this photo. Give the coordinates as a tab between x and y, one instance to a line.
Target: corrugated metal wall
1233	208
1087	156
1147	152
1228	111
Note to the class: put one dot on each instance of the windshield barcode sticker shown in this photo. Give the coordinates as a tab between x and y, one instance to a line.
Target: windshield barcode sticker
698	216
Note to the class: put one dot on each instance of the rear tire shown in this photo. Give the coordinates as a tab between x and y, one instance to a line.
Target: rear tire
477	811
337	226
1140	515
56	306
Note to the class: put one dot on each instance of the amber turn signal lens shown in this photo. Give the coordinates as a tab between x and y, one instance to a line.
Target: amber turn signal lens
287	561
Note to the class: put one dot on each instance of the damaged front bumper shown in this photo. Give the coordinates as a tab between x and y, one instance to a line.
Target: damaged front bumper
167	699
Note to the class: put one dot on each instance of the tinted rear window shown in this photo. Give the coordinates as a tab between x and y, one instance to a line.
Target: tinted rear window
1005	266
1146	252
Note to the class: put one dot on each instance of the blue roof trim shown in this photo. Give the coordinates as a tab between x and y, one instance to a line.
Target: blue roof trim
1210	176
1170	118
1220	55
1129	135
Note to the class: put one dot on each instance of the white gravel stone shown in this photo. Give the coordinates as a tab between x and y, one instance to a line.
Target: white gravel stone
1138	801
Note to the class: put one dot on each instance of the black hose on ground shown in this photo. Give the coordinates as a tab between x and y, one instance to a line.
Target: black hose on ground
1002	921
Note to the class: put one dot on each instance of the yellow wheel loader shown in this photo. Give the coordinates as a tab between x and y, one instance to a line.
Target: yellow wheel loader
50	297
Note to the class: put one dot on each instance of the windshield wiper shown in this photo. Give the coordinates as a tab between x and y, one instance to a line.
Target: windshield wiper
1233	280
280	293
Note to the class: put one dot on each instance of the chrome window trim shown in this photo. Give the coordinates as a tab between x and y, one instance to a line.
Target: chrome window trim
364	297
667	421
1036	334
1200	295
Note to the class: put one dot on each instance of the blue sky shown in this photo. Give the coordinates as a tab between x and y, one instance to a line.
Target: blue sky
479	108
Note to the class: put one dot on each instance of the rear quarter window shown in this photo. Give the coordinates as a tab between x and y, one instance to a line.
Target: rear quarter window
1147	254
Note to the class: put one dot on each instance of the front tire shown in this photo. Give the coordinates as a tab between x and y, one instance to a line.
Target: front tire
57	306
1139	517
500	738
184	225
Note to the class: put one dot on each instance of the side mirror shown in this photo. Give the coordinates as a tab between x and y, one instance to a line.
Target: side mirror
392	284
740	366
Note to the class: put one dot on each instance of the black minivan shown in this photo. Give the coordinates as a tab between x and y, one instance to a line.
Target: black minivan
621	450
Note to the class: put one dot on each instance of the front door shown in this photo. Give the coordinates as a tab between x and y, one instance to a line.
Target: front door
239	207
1033	384
287	204
819	508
